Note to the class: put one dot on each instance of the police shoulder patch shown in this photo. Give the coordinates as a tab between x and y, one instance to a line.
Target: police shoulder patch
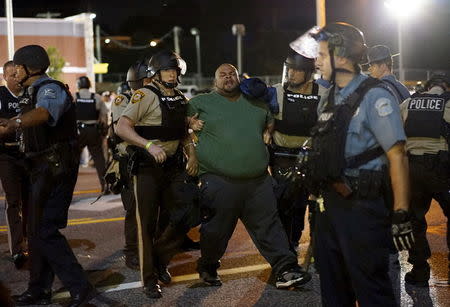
383	106
118	100
137	96
49	93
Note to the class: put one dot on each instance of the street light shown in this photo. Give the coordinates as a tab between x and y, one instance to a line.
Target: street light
402	9
195	32
153	43
176	39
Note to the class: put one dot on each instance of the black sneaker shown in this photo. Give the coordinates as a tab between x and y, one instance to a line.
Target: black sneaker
164	275
31	298
292	278
418	276
152	290
210	278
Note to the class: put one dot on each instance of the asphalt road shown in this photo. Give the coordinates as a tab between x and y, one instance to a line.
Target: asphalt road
95	233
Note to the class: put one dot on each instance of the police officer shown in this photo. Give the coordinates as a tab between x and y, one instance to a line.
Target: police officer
92	120
380	67
135	80
427	126
12	170
155	123
359	131
297	97
49	139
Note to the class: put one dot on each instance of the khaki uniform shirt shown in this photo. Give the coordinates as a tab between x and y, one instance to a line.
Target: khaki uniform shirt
421	145
144	110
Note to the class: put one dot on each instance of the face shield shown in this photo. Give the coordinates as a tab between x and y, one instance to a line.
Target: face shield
306	45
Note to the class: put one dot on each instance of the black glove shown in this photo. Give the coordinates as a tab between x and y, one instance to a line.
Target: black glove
402	230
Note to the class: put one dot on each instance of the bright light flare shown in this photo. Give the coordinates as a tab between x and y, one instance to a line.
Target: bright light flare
403	8
107	41
153	43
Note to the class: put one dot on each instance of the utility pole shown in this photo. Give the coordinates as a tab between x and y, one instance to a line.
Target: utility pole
176	40
98	49
195	32
239	31
321	13
10	28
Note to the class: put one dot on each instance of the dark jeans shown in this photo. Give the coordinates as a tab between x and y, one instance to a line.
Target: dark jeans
90	136
429	179
50	252
15	184
352	243
223	202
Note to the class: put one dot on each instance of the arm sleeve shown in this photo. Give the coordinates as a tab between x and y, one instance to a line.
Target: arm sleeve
54	99
384	120
140	104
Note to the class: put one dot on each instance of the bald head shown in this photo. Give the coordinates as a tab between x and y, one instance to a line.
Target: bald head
227	80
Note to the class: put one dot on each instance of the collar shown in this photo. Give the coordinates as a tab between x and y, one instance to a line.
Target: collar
435	90
343	93
12	92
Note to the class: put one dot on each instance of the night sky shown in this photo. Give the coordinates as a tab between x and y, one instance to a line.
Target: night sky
270	26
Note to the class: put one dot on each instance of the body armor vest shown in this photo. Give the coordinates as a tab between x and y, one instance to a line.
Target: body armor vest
86	108
426	115
40	138
9	107
327	157
173	122
299	113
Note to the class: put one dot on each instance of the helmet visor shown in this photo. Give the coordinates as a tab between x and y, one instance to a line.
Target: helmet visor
306	45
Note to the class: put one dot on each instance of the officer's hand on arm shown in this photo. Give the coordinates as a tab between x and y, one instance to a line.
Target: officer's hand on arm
267	135
157	152
401	222
195	123
192	163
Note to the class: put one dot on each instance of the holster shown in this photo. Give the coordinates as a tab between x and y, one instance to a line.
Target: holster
60	158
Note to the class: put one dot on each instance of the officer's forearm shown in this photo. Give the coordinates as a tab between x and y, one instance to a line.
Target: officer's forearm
399	172
34	118
188	145
125	129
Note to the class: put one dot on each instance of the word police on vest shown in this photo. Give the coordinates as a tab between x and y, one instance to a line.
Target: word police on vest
428	104
293	97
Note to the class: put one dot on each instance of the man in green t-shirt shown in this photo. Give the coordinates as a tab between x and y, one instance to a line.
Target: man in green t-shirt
235	184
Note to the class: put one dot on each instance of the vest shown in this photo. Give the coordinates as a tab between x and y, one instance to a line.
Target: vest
39	138
85	107
9	107
326	161
299	113
173	121
426	115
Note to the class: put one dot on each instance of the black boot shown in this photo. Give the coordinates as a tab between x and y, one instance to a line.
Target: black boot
34	298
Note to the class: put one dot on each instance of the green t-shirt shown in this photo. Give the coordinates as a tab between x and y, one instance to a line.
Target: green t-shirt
231	141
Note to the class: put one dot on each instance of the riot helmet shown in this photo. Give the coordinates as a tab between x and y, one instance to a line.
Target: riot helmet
32	58
165	60
297	62
438	79
83	82
346	41
136	74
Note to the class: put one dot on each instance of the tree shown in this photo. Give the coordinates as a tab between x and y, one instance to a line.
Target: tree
57	63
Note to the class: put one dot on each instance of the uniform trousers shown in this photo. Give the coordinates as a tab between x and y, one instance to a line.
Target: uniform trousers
429	178
352	244
15	184
50	252
158	188
90	136
223	201
130	224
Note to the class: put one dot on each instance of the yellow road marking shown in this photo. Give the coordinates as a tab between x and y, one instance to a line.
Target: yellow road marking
81	222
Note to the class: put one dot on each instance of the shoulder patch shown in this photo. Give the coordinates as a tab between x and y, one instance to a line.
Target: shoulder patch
137	96
118	100
383	106
49	93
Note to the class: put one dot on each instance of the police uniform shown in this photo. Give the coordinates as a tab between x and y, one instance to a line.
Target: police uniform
161	119
297	115
353	233
89	109
426	117
126	193
398	89
13	177
51	151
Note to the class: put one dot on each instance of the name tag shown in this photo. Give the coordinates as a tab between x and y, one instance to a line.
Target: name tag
426	104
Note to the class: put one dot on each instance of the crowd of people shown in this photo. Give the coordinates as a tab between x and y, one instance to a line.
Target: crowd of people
358	152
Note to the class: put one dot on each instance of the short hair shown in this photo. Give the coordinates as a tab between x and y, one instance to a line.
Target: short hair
6	65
